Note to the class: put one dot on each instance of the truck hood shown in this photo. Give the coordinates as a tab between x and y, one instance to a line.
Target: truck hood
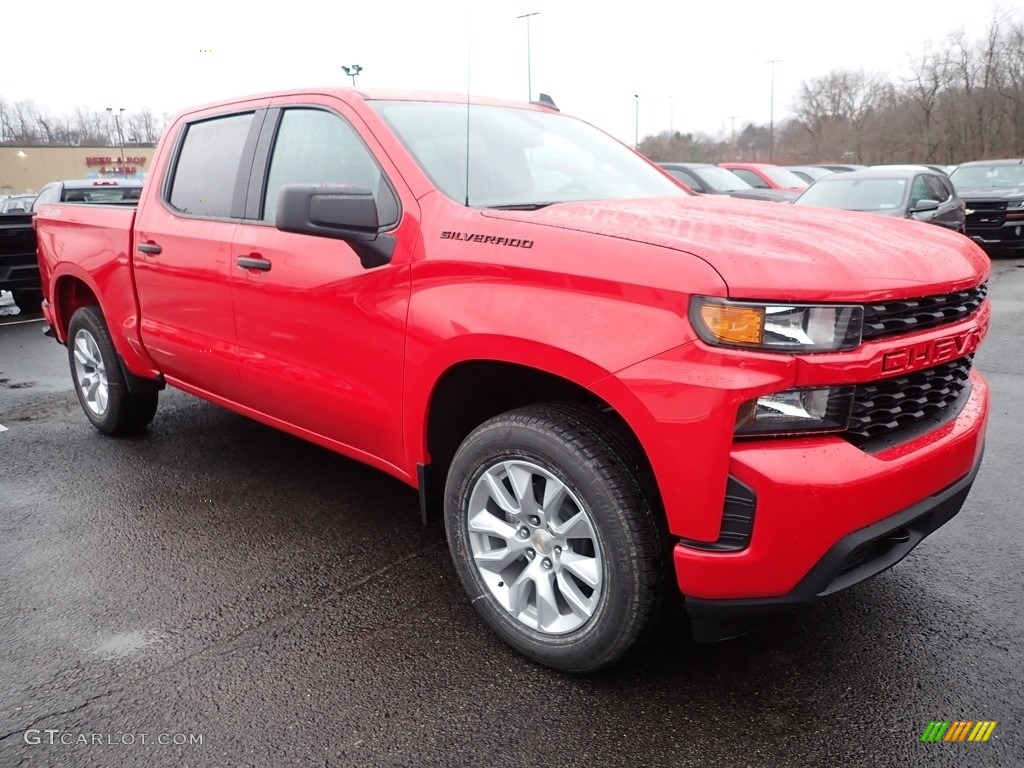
783	251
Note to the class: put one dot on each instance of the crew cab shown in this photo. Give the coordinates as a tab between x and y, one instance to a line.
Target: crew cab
612	391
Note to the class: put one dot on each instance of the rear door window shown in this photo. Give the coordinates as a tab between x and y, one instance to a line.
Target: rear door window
207	168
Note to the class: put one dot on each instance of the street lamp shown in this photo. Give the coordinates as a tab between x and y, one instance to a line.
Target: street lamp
771	123
636	122
352	71
120	136
529	72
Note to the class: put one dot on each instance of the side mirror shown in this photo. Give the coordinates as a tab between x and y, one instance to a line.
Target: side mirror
925	205
346	213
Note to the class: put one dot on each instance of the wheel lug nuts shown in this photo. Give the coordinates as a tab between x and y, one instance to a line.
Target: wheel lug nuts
546	563
523	533
558	551
530	554
534	520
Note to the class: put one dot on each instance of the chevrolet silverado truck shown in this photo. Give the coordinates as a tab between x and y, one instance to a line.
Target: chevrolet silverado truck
611	390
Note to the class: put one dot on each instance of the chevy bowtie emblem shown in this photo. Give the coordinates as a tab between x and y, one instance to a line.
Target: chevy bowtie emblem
968	211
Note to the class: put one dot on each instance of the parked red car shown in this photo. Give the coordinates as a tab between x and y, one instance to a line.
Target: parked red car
604	384
765	176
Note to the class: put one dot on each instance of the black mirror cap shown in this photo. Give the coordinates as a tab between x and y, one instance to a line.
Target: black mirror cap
342	212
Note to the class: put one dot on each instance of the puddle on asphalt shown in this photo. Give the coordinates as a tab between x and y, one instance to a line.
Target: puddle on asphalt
126	643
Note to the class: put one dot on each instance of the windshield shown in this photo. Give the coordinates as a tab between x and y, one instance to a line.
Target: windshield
856	194
519	157
722	180
989	176
784	178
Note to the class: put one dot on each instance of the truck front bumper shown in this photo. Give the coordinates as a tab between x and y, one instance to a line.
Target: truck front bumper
829	515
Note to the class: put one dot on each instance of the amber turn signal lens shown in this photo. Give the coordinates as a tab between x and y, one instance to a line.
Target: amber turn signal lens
734	324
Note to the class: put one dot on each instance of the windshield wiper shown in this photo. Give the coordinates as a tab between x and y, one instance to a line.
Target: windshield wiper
520	206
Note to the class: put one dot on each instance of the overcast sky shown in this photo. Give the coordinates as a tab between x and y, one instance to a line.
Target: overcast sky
692	63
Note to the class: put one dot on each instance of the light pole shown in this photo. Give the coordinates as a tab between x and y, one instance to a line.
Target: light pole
771	119
636	122
352	71
120	136
529	72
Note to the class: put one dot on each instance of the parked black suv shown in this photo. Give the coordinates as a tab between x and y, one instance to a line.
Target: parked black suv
994	193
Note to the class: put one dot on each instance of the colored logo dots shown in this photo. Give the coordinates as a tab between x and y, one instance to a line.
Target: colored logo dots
959	730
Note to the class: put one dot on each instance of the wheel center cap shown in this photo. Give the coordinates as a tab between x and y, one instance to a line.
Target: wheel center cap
542	541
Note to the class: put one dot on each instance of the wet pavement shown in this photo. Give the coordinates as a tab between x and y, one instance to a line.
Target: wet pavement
215	593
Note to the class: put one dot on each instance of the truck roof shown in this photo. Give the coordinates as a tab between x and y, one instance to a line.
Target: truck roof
373	94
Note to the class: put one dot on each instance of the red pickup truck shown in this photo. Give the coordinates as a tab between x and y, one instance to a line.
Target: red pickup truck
605	384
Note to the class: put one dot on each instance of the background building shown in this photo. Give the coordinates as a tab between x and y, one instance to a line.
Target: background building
26	169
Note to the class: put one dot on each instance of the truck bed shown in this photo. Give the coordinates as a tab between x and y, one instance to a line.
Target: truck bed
93	243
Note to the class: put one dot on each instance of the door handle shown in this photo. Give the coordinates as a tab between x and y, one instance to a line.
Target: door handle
148	248
253	262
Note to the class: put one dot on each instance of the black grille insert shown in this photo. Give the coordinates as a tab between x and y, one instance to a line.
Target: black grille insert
883	407
892	318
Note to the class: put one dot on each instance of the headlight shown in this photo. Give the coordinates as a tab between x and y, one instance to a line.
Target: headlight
777	327
826	409
1015	205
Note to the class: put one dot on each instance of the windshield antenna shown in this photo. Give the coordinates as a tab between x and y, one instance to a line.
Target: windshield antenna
469	65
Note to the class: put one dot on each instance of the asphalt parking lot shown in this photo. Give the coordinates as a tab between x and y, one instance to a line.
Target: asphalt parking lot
215	593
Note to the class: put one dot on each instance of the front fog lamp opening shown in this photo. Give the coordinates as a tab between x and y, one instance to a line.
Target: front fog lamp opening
778	327
796	411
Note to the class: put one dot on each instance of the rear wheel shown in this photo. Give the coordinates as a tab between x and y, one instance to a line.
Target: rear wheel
554	536
100	382
28	300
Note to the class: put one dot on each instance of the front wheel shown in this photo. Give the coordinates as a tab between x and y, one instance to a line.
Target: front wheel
100	382
552	529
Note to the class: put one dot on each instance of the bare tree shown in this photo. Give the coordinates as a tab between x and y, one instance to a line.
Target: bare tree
930	77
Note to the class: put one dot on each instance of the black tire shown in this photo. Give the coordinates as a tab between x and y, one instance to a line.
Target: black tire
28	300
591	456
124	412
